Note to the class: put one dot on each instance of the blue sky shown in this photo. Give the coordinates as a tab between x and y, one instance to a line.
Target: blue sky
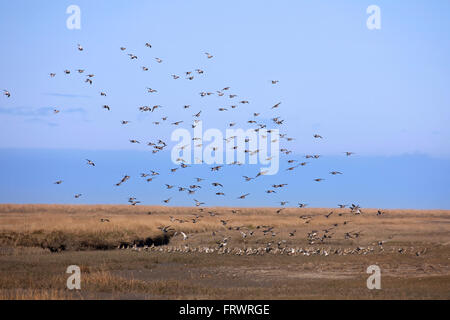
380	93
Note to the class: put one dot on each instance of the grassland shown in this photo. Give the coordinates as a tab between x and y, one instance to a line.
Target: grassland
414	255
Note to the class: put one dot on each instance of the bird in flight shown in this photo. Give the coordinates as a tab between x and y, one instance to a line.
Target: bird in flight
124	179
335	173
198	203
7	93
328	215
89	162
243	196
185	237
276	106
209	55
59	182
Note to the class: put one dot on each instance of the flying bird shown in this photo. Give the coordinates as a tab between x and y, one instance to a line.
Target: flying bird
89	162
276	106
124	179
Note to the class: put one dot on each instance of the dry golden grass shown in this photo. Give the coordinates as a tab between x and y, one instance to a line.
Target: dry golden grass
29	272
80	227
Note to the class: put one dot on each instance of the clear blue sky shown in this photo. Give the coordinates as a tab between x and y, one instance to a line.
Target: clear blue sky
382	94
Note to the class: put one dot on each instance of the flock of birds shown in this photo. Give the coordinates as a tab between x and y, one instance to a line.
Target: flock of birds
312	237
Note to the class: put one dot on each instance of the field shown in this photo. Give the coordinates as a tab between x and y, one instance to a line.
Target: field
226	255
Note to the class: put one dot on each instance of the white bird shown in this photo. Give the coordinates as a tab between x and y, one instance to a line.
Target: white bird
185	237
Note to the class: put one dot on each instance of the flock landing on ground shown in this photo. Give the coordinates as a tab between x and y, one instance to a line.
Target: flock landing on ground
160	144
